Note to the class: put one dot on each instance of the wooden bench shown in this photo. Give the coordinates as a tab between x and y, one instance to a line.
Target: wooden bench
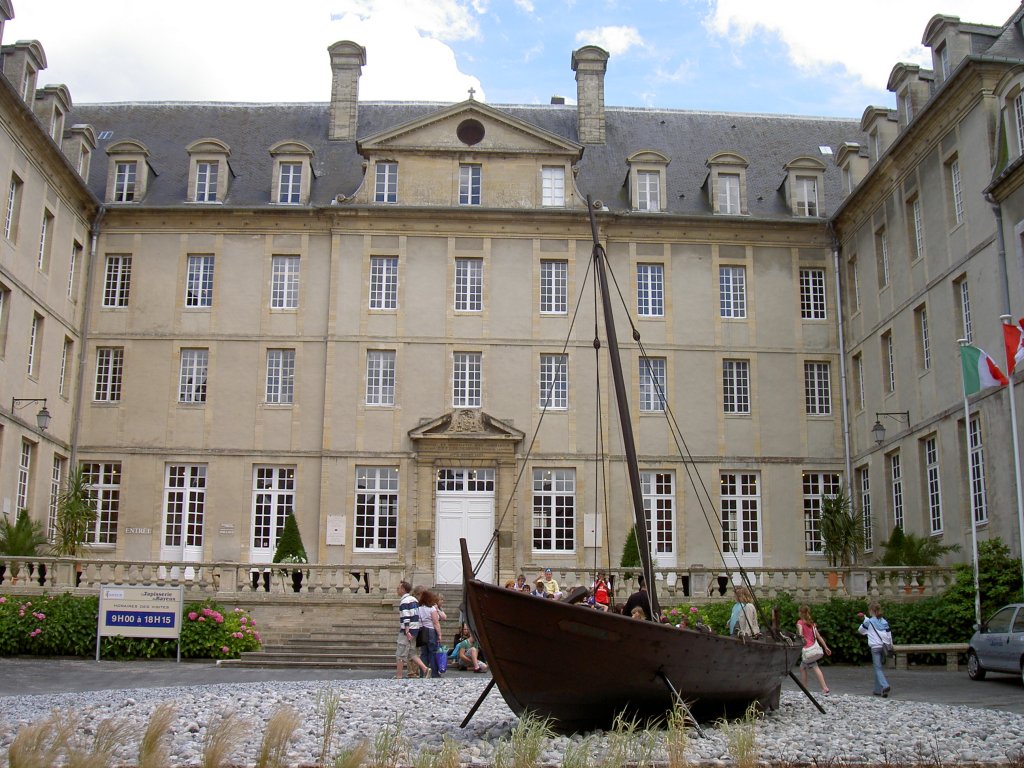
952	651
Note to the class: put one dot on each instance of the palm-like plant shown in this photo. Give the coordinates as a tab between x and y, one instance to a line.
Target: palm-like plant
842	527
911	549
76	513
22	538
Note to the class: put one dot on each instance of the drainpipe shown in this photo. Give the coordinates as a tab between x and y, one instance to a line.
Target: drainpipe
842	361
76	414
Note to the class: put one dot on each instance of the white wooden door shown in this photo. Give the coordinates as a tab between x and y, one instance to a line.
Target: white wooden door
469	516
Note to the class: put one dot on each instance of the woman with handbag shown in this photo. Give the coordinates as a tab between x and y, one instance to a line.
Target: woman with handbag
814	648
880	642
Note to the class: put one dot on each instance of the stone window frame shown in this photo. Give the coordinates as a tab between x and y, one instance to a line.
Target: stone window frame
647	161
552	187
292	151
727	164
385	172
123	152
215	154
1010	92
798	170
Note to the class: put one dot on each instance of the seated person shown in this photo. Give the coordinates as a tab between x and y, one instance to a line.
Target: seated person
466	654
551	585
539	589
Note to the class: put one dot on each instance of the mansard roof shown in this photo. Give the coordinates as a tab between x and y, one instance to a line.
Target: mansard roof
687	138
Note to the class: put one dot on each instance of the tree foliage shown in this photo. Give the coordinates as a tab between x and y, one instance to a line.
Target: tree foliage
22	538
842	528
911	549
630	551
289	545
76	513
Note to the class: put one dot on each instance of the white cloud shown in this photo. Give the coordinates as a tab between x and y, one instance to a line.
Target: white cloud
867	39
615	40
526	6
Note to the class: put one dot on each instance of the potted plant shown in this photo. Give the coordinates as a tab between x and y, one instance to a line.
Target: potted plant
842	528
22	538
902	549
290	550
76	514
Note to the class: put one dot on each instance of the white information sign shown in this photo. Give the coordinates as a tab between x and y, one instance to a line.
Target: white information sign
139	611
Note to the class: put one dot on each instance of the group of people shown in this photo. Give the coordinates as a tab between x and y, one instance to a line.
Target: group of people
420	613
874	626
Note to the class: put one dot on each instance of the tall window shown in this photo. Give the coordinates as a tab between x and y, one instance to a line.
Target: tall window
192	378
1018	112
956	197
13	212
376	518
383	282
124	182
35	343
816	485
924	344
289	190
732	292
65	358
728	193
206	182
5	315
817	389
385	187
554	381
854	284
76	258
380	377
284	282
806	196
896	488
652	384
882	257
56	481
648	188
812	294
469	184
979	497
554	510
931	472
650	290
864	484
469	285
45	242
889	362
109	370
117	281
273	499
741	513
199	281
466	380
943	52
104	481
659	498
554	281
184	505
916	222
858	381
964	302
736	386
280	376
553	185
24	475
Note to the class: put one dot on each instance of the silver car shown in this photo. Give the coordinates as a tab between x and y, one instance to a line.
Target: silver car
998	644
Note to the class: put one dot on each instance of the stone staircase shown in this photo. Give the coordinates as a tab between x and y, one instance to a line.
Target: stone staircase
356	637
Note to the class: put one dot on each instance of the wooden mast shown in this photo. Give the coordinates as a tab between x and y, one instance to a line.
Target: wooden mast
626	424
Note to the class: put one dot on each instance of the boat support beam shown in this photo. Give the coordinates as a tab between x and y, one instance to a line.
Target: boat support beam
807	693
681	703
476	706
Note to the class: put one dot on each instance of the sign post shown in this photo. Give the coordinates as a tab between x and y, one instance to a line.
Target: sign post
140	611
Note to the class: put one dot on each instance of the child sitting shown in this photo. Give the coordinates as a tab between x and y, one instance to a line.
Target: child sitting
466	654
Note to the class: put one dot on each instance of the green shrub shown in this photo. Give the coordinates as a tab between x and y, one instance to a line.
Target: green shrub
210	632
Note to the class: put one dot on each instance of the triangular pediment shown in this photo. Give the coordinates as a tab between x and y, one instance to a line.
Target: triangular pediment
466	424
447	130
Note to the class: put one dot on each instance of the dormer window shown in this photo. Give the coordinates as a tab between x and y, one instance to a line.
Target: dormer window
804	179
1018	115
128	172
942	54
553	186
647	180
208	171
908	106
385	189
727	184
293	173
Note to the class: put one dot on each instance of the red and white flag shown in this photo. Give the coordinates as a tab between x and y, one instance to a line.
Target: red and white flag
1013	336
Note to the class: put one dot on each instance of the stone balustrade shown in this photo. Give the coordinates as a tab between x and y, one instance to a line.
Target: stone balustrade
228	580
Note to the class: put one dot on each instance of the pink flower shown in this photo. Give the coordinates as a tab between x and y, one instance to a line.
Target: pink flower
693	609
34	632
39	616
192	615
21	612
225	649
237	635
219	619
3	600
257	636
202	618
243	621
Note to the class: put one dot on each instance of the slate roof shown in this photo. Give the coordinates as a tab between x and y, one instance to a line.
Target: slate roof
688	138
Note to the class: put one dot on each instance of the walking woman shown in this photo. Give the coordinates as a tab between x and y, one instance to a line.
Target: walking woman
812	637
430	631
879	640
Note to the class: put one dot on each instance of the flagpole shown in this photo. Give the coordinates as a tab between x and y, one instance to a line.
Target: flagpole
1007	320
970	507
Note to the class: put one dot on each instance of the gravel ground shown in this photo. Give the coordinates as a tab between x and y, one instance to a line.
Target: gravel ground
855	728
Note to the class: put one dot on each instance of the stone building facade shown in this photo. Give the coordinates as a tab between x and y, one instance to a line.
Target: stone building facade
380	317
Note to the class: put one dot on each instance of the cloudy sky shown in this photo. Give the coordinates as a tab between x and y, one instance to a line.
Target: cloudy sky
785	56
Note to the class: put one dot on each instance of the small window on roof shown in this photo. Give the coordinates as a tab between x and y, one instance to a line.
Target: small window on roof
293	173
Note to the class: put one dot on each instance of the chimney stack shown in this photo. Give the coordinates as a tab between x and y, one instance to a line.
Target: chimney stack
347	60
590	63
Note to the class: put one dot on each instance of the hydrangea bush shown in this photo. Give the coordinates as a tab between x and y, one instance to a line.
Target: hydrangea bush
65	625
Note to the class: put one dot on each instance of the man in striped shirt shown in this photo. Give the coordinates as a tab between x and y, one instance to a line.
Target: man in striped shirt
408	627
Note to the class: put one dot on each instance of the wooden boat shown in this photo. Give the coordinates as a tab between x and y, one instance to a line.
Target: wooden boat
582	667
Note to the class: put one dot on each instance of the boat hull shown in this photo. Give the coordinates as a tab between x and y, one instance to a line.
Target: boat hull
582	667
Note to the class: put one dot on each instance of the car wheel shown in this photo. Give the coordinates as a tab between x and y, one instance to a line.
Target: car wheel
974	668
